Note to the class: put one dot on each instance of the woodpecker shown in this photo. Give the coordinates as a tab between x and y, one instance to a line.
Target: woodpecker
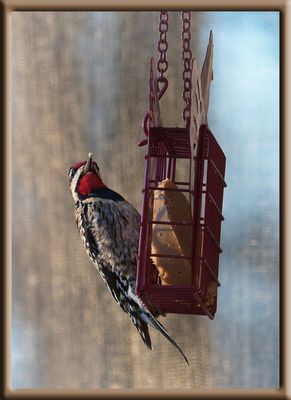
109	228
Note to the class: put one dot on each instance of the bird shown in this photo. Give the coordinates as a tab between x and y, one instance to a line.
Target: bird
109	228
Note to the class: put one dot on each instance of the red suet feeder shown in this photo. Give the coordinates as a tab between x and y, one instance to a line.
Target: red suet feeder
179	246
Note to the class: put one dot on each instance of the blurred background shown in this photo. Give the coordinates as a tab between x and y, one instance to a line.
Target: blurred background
79	84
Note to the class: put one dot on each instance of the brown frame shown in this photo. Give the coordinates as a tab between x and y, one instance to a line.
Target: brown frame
9	6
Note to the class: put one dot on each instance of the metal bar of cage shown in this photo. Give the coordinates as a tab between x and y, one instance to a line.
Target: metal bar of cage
192	298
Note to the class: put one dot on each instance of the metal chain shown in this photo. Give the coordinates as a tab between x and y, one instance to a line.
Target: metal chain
187	58
162	64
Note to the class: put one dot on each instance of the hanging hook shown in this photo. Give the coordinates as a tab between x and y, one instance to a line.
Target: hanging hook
165	83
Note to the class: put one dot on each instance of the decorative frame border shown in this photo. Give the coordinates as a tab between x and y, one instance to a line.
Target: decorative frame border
284	6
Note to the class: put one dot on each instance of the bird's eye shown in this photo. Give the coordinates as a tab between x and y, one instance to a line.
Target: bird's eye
71	172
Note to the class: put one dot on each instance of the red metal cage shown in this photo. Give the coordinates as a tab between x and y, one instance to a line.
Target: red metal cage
165	148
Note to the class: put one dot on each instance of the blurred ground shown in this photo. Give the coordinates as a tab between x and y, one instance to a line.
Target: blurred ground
79	84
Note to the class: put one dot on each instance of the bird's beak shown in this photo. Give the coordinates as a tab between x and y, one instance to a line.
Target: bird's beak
88	165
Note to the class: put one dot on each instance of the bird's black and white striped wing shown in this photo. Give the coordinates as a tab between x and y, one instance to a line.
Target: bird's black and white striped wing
118	225
119	288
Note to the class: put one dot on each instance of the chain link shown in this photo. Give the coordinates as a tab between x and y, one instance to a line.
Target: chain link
187	58
162	64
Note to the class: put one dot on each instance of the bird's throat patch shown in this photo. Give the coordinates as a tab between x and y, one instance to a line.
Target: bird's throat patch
88	183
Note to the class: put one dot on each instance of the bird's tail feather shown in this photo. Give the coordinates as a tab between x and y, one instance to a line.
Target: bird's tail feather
143	330
151	320
144	317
